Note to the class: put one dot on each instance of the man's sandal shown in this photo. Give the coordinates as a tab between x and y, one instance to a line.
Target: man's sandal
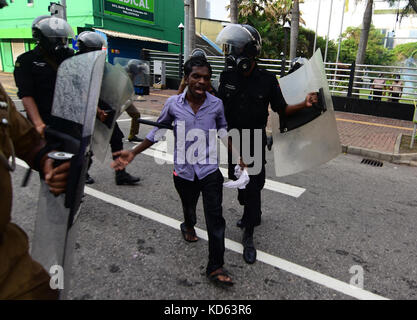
188	233
214	277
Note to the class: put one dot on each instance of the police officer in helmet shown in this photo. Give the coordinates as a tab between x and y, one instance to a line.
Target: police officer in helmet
247	90
20	276
88	41
133	69
35	71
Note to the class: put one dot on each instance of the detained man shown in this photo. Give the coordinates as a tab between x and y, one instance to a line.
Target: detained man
196	114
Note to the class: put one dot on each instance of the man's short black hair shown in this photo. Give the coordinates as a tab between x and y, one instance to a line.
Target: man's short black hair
195	62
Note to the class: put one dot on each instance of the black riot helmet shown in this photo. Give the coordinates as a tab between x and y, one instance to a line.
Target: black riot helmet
3	4
52	34
241	45
297	63
197	52
90	41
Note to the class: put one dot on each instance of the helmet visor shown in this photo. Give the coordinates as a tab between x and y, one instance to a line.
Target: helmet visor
234	35
54	27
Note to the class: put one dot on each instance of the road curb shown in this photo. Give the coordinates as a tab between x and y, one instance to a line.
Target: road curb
397	158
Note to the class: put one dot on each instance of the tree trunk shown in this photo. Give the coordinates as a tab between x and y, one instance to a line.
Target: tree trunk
363	40
366	25
295	22
192	26
234	11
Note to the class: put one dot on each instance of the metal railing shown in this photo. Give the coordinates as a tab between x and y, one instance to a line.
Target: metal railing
344	79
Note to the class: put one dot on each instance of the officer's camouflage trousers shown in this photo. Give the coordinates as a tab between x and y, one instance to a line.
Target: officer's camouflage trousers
21	278
134	113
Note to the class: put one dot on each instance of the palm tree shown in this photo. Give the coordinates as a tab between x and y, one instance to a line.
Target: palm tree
248	8
410	7
234	12
278	11
366	25
295	22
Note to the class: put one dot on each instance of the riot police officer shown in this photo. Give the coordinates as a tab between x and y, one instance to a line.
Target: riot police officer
133	68
35	71
20	276
91	41
247	90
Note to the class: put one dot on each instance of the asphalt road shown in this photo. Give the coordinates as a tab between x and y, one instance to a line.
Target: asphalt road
349	215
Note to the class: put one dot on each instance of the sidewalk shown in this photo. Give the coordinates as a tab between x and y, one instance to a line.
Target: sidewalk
363	135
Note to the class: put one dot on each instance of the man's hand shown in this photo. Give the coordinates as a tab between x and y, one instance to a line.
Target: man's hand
124	158
56	178
242	164
311	98
41	129
101	114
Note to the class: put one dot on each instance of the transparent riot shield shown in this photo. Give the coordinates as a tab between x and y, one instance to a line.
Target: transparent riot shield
75	101
309	137
116	94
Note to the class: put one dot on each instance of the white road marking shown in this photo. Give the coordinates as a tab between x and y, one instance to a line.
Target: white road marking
21	163
271	260
129	119
157	151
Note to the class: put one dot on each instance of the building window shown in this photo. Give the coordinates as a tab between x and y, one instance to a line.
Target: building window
30	3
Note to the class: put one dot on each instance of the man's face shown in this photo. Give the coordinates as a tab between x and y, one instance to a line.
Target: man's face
198	81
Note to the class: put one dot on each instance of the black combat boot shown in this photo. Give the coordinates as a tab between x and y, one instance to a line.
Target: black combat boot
249	251
123	178
88	179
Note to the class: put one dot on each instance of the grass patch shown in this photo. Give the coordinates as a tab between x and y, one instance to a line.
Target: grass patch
405	144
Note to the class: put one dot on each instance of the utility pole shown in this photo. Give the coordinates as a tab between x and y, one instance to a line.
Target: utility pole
181	28
340	42
64	4
328	31
186	29
317	26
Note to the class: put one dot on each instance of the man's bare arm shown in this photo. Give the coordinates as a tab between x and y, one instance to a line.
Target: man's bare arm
33	114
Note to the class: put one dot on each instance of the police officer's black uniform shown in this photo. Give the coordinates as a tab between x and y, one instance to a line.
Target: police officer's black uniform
35	75
247	91
91	41
246	101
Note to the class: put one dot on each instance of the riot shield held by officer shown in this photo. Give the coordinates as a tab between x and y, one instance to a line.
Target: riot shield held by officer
88	41
20	276
35	70
247	90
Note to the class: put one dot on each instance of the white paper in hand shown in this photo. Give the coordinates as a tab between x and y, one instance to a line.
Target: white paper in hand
241	182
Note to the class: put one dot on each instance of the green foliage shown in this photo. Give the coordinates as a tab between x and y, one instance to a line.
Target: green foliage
272	33
375	54
404	51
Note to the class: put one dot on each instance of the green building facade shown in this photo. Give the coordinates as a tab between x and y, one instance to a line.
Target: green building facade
128	25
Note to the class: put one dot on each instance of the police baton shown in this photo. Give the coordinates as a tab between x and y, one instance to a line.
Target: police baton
156	124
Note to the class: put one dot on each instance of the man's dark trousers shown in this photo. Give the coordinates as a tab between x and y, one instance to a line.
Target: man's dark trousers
211	188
